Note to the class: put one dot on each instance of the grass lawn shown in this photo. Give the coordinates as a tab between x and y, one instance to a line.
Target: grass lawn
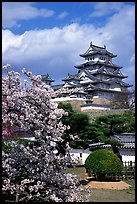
107	195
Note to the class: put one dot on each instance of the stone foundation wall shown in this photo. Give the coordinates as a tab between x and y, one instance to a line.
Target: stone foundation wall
76	104
104	112
101	101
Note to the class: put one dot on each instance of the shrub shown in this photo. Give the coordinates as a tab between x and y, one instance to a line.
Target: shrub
104	164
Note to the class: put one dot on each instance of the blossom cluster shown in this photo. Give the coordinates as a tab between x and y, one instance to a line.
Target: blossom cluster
34	171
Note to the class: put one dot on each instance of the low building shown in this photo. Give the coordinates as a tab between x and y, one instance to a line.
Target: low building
127	151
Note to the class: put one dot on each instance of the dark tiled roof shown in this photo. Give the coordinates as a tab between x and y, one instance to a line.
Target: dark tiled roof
56	87
129	145
46	77
127	139
94	49
110	90
124	84
108	74
71	77
90	76
90	63
90	86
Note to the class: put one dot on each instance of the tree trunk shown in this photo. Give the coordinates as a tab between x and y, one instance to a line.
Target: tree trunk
17	193
116	151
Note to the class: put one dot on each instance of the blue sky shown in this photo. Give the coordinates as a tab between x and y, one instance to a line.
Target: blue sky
47	37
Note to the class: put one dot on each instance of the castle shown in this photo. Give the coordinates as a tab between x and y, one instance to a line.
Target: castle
100	80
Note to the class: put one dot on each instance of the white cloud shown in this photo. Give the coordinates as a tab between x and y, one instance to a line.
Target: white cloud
63	15
12	12
105	8
56	51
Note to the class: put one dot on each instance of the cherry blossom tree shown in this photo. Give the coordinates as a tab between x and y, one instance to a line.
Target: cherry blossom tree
35	171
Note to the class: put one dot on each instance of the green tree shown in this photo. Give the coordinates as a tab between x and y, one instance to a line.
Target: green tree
78	122
108	125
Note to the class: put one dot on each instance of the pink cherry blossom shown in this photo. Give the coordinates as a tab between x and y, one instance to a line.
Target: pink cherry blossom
35	171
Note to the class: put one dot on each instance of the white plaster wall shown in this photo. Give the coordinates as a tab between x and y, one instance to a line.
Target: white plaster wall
115	89
85	80
95	96
75	153
94	107
126	155
67	99
128	158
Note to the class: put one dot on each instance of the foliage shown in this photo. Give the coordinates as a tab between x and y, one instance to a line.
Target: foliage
101	129
116	123
108	125
103	163
34	171
67	107
78	122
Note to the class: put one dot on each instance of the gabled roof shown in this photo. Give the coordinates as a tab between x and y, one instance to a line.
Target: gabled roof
89	75
71	85
90	87
71	77
94	49
46	77
102	70
90	63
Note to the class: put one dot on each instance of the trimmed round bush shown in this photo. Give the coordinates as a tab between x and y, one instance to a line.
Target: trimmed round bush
103	164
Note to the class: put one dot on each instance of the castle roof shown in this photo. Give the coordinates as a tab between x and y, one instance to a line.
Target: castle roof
69	85
58	86
71	77
124	84
90	87
108	90
94	49
87	72
92	63
111	81
46	77
104	71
